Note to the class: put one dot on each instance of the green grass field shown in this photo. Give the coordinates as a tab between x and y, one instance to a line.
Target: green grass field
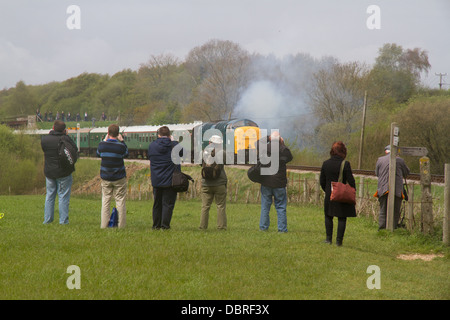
186	263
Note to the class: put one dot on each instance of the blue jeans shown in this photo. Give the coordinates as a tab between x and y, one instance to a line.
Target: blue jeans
280	201
62	187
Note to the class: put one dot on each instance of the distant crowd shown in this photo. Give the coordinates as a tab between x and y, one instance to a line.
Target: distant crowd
49	117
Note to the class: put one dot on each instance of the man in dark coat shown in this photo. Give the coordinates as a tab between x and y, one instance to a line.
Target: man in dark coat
58	178
330	172
161	169
273	187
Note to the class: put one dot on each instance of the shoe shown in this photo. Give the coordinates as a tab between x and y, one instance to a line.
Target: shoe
327	241
339	244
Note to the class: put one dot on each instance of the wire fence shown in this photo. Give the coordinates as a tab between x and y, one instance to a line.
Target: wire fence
305	189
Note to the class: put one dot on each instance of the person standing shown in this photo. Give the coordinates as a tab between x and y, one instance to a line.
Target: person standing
273	187
328	173
113	150
382	172
58	179
161	171
214	183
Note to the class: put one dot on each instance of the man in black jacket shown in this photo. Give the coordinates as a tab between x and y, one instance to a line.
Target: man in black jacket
273	187
58	178
161	172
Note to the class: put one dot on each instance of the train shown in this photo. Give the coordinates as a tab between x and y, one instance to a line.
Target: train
239	138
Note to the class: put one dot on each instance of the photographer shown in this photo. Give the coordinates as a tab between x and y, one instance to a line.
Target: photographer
58	178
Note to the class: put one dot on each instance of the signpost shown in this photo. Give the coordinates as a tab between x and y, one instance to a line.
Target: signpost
395	131
413	151
425	179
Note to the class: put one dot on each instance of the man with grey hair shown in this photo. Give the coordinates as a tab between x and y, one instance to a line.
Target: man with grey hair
273	187
382	172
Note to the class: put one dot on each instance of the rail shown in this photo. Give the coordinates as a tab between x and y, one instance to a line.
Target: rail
412	176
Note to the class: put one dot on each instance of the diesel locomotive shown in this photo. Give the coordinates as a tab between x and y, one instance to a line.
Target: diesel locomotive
239	137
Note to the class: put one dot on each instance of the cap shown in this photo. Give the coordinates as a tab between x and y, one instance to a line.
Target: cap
387	148
216	139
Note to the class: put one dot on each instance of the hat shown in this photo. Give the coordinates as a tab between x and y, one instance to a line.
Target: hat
387	148
216	139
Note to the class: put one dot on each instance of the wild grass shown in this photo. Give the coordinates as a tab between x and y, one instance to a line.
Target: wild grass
186	263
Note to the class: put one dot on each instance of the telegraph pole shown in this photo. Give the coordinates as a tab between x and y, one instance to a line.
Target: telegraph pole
440	79
361	140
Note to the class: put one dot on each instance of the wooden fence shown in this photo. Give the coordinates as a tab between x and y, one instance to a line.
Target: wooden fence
305	189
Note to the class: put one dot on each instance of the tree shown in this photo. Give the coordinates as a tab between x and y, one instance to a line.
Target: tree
426	123
218	69
22	101
396	73
338	93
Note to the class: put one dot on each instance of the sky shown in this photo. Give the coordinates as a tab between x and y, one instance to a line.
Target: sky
45	40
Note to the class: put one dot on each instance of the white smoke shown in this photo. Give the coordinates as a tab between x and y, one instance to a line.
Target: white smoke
277	96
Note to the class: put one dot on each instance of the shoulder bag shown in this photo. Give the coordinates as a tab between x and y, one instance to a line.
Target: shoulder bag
342	192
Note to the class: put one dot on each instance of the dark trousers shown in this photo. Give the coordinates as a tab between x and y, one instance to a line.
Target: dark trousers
164	202
383	211
342	222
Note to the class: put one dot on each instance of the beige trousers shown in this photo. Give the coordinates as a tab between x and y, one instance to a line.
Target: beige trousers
219	193
118	190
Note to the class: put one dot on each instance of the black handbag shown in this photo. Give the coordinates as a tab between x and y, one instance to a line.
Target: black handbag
180	181
254	173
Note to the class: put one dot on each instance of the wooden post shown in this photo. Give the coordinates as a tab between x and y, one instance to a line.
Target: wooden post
361	191
299	188
427	201
317	191
361	141
305	190
410	208
446	226
392	172
78	137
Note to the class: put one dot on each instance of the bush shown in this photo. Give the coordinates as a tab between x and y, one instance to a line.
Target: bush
21	163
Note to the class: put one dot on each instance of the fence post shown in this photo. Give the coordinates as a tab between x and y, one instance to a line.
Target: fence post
427	201
446	226
410	211
361	191
317	193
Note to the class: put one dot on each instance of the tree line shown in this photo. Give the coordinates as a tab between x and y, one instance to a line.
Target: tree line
313	101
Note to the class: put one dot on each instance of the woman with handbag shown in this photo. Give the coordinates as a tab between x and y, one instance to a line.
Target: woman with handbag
330	172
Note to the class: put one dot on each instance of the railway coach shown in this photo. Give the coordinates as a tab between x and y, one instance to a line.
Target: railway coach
239	137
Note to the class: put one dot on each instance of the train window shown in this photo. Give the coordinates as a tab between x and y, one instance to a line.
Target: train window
239	123
251	123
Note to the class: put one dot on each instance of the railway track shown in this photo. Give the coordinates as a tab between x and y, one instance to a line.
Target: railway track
412	176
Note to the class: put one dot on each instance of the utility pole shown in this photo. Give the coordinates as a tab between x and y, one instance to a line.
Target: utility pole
361	141
440	79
